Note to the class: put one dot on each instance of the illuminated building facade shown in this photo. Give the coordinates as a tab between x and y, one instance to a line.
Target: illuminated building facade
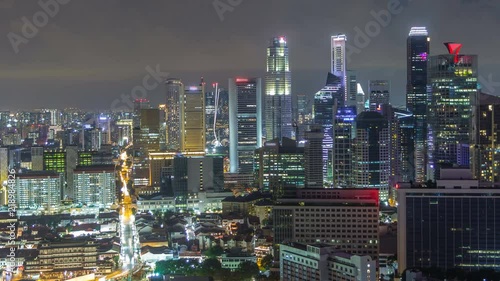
344	126
174	90
485	152
245	123
345	218
380	91
278	108
279	168
192	120
39	190
95	185
453	89
371	153
455	225
416	95
313	157
325	103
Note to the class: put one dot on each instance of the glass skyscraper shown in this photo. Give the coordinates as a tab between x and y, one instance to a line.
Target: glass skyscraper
245	123
453	89
278	91
174	89
416	95
343	146
192	119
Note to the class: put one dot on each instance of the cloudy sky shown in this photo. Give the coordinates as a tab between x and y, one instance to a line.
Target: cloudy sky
91	52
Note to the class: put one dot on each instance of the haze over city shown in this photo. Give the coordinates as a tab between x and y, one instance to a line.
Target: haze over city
91	52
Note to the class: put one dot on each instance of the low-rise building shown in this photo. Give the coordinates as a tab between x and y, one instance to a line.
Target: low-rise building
232	261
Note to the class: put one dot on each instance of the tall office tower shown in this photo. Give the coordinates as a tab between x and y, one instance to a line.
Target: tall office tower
245	123
174	89
360	99
380	91
193	119
162	108
325	103
416	95
35	190
95	185
279	167
453	87
339	62
338	49
278	99
485	156
139	104
352	88
149	133
393	115
37	158
343	134
407	145
371	157
453	225
349	219
313	157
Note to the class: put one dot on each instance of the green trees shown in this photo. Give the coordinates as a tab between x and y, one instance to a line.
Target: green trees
267	262
214	252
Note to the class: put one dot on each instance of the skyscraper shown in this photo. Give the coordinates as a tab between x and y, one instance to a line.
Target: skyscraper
343	134
192	122
174	89
245	123
371	157
338	66
313	157
379	93
278	91
453	88
416	95
326	102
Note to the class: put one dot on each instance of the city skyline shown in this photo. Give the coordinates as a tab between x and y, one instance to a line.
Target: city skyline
46	64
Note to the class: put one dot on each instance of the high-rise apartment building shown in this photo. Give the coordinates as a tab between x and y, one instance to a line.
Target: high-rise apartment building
192	119
278	108
371	153
416	96
453	88
453	225
343	137
380	91
37	158
345	218
39	191
174	89
245	123
95	185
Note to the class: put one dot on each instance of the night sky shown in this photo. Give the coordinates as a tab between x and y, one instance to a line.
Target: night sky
92	51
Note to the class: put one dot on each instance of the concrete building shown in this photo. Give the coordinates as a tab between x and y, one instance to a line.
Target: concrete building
313	157
453	225
318	262
95	185
345	218
379	91
39	191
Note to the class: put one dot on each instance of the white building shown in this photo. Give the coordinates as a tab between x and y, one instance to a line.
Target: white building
39	190
95	185
323	262
232	262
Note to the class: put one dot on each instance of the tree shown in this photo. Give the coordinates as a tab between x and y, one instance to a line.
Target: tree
267	262
247	270
209	267
214	252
